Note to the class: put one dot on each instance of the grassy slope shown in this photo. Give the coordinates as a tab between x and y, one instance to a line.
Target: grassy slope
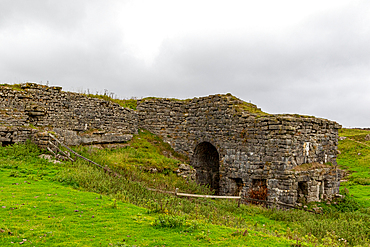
58	190
45	214
355	158
39	201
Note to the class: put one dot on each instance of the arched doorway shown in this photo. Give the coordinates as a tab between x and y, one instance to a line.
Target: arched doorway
206	161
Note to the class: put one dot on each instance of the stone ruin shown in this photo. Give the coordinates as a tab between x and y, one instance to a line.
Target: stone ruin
77	119
235	148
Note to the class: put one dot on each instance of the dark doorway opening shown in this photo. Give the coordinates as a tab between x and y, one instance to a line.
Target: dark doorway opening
237	186
258	191
206	162
302	192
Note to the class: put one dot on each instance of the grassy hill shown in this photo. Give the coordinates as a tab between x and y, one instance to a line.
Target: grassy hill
77	204
354	157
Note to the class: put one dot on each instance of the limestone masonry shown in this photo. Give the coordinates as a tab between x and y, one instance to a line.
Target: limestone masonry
234	147
73	116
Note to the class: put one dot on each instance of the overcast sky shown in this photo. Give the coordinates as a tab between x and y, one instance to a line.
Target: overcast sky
307	57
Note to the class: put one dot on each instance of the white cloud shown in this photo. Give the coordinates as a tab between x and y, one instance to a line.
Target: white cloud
146	24
309	57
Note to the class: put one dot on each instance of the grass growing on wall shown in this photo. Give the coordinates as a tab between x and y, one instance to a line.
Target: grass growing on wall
16	87
127	103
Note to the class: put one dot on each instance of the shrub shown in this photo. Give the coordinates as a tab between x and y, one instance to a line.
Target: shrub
170	221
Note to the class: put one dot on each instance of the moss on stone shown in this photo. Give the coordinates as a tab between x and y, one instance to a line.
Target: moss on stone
242	106
296	116
169	99
238	104
251	108
16	87
312	166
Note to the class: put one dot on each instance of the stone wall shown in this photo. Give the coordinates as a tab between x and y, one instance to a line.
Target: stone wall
234	147
252	148
9	135
76	118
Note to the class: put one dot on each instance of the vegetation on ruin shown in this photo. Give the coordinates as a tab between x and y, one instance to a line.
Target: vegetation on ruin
239	105
242	106
297	115
127	103
47	204
170	99
16	87
311	166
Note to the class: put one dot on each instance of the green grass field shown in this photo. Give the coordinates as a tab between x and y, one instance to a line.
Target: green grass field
47	204
355	158
44	213
38	210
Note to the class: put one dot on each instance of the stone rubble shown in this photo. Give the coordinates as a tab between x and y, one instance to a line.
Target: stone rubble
187	172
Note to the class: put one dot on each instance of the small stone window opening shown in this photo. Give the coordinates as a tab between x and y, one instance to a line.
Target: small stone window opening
321	185
238	186
302	192
325	184
258	191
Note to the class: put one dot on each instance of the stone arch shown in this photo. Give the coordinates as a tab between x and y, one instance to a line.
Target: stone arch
206	161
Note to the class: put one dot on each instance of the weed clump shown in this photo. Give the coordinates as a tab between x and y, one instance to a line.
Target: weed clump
170	221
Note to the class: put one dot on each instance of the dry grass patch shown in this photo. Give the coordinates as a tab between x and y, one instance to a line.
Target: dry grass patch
311	166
